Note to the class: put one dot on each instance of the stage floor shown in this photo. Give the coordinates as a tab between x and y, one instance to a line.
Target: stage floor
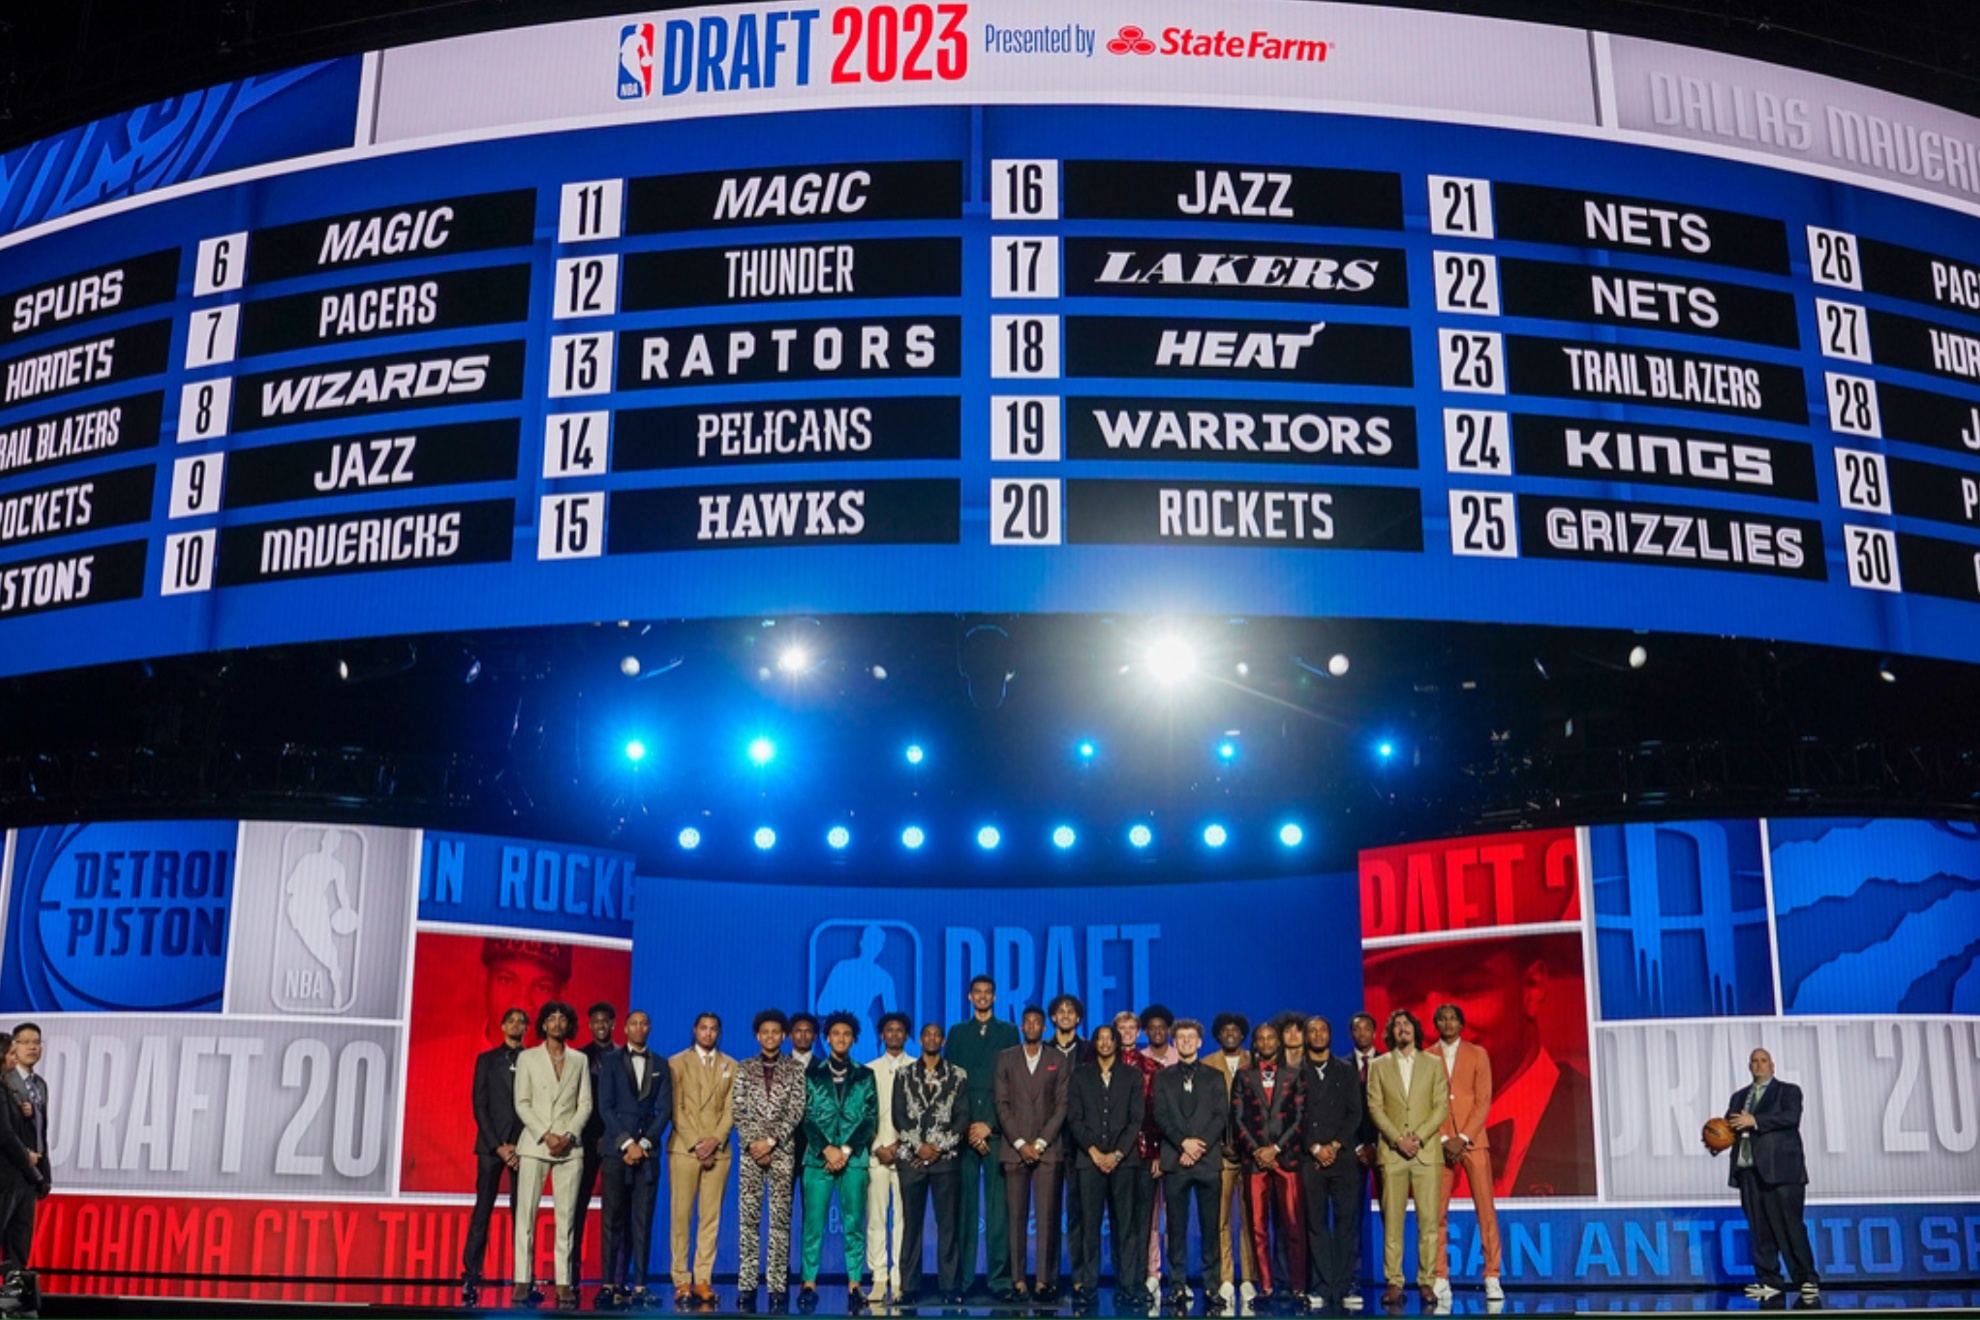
149	1298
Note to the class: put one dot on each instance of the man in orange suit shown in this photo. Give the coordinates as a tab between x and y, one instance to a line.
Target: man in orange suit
1467	1153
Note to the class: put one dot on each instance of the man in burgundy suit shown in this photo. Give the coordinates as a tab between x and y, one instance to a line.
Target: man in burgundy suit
1268	1103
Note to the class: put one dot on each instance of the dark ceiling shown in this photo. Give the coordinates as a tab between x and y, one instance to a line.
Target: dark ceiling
66	61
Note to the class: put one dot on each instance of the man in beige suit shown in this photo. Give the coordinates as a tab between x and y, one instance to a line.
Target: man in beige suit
553	1100
698	1157
1409	1097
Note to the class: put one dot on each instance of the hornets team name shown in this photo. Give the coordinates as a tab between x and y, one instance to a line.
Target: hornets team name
61	369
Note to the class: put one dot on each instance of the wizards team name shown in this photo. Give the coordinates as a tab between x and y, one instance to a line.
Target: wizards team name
326	390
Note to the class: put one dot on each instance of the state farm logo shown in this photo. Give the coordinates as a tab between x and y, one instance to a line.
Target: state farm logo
1131	41
1188	42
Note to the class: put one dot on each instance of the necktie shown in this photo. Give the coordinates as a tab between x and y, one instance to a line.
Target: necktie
1363	1060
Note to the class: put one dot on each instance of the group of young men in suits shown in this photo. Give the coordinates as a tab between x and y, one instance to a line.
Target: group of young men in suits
1268	1137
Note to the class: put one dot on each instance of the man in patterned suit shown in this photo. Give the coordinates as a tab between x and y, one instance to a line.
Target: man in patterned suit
931	1112
698	1158
841	1114
769	1107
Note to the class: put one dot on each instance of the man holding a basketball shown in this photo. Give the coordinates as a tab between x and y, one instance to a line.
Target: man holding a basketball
1763	1127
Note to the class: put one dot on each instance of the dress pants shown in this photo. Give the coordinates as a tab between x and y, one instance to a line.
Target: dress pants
1113	1194
1774	1222
1203	1182
1332	1249
17	1203
1273	1202
820	1186
1231	1228
1402	1180
983	1207
883	1245
759	1185
563	1199
940	1183
1475	1166
690	1188
581	1211
1074	1236
1129	1264
630	1191
1026	1186
489	1174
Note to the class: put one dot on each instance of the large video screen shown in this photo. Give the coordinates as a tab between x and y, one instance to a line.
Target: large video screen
1257	307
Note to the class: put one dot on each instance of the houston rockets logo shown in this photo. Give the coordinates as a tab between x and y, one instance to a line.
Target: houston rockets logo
318	932
1131	41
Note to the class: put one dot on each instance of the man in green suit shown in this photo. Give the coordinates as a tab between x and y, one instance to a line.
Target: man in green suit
841	1114
974	1045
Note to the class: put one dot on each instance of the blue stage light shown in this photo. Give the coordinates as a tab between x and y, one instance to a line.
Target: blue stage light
1141	836
1216	835
762	751
912	837
1087	751
1063	837
1227	751
1291	835
1385	749
914	754
690	838
988	837
766	838
838	836
635	751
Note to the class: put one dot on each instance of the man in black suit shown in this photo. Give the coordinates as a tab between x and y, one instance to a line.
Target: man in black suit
1331	1178
1192	1109
1104	1110
636	1095
21	1183
603	1018
1771	1174
496	1127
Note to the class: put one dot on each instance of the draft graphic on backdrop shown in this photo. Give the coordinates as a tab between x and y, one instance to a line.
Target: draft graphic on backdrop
318	937
866	968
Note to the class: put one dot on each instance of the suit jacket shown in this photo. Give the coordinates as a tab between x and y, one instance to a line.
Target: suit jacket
1421	1112
1215	1062
974	1047
1106	1116
1202	1110
1262	1117
771	1112
1777	1153
494	1098
1333	1108
595	1054
632	1112
548	1103
703	1099
1367	1136
884	1069
1031	1105
31	1129
832	1119
925	1116
1470	1076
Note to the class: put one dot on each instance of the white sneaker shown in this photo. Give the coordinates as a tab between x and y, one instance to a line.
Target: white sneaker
1493	1292
1442	1287
1351	1301
1760	1292
1811	1289
1249	1294
1229	1294
1316	1301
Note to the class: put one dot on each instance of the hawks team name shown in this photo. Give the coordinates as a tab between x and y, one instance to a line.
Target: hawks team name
765	515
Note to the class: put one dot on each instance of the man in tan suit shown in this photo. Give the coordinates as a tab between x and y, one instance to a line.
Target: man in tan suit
553	1100
1409	1097
1466	1152
1231	1058
698	1158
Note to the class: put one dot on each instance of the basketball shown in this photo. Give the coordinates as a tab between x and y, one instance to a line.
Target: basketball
343	921
1718	1135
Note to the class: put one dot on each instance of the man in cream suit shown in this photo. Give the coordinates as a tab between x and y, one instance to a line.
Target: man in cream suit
883	1183
553	1100
698	1158
1409	1097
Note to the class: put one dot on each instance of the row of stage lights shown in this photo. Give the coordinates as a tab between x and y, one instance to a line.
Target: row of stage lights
989	838
762	751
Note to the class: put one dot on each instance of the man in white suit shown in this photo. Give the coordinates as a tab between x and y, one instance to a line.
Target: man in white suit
553	1100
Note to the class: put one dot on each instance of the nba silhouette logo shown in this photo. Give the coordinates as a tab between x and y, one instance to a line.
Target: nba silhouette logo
635	61
318	923
866	968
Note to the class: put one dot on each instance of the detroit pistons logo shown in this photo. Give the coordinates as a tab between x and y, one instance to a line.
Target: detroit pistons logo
1131	41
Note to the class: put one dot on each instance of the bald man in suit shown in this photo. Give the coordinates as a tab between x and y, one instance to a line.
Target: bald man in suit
1409	1097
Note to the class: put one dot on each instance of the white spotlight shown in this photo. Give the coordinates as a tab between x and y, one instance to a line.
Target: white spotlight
1337	665
1170	660
630	666
794	660
1638	657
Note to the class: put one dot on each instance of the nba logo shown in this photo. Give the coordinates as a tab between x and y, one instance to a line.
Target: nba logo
866	968
318	924
635	61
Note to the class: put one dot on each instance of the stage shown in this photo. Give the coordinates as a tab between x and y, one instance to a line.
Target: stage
144	1297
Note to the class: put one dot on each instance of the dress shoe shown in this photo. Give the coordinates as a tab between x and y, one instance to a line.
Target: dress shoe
1214	1304
704	1294
1811	1289
1351	1300
1046	1294
1428	1293
807	1299
780	1302
684	1299
524	1294
607	1298
567	1298
906	1299
471	1292
1392	1296
746	1299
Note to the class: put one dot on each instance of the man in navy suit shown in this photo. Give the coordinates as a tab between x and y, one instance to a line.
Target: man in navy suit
1771	1174
636	1097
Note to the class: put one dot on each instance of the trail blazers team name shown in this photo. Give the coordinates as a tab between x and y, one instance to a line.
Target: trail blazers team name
1665	379
51	440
